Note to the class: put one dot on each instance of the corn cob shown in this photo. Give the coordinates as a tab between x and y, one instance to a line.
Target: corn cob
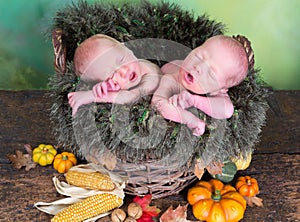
88	208
91	180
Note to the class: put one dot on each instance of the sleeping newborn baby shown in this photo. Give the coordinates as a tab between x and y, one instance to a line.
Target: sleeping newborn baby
119	76
202	80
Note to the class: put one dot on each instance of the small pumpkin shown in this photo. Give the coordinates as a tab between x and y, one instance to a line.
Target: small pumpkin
212	201
242	162
64	161
229	169
247	186
44	154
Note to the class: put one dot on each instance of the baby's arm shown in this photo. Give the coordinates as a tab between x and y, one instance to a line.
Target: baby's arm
168	87
76	99
109	92
218	106
149	83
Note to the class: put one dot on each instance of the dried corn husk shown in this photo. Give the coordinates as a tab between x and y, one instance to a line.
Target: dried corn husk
76	194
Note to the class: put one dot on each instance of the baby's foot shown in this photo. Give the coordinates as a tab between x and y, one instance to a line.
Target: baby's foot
197	126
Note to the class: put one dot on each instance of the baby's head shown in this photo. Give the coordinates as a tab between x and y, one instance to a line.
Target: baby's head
101	57
220	63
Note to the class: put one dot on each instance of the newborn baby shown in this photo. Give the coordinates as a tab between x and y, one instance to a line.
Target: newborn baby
119	76
202	80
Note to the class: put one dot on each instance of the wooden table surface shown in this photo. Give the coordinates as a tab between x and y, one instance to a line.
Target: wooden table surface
276	161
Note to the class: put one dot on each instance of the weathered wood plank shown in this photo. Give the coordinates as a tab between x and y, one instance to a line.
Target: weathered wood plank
278	176
24	118
282	130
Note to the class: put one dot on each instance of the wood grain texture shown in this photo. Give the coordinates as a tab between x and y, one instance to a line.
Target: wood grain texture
24	118
282	130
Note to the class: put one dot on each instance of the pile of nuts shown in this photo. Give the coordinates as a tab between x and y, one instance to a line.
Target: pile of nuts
134	212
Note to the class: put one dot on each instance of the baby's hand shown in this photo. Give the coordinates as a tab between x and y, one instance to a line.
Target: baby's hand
100	90
112	86
76	99
184	100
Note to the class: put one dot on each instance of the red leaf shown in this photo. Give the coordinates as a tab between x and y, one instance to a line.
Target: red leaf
148	211
145	218
143	201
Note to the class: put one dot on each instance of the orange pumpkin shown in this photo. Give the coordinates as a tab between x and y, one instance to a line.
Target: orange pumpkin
213	201
64	161
247	186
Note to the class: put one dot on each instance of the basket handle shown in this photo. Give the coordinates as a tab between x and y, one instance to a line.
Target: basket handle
60	55
249	51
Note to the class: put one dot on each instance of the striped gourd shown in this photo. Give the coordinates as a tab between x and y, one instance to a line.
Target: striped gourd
90	180
88	208
229	169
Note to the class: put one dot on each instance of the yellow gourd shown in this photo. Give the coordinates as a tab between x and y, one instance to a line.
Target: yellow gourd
241	162
44	154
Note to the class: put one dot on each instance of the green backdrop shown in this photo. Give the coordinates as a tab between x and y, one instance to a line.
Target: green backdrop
26	55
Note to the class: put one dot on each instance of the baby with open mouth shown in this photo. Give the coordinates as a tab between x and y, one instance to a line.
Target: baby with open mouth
202	80
119	76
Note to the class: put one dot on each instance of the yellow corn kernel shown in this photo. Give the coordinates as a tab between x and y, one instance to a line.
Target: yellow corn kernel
91	180
88	208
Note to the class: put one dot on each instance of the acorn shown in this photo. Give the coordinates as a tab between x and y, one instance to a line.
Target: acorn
134	210
118	215
130	219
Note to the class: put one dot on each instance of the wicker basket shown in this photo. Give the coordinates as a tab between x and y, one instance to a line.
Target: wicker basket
167	168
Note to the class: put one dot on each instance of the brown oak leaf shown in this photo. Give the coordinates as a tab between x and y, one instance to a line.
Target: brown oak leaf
251	201
20	159
177	215
198	172
198	169
215	168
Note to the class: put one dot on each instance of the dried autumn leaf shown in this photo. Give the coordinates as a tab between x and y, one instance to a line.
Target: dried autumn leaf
177	215
148	211
251	201
20	160
215	168
28	149
198	171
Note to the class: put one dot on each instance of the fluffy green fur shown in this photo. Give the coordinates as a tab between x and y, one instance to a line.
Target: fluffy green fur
223	138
